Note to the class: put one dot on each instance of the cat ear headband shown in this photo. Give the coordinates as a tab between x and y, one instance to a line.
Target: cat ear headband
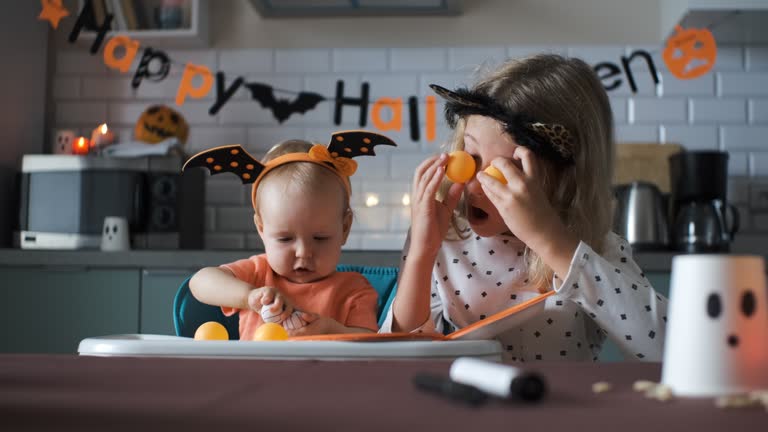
336	157
548	140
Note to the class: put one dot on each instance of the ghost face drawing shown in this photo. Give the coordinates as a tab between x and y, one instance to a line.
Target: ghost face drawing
114	234
63	142
717	331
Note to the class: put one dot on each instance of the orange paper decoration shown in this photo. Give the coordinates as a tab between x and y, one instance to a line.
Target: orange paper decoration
431	117
187	89
131	48
395	105
690	53
53	11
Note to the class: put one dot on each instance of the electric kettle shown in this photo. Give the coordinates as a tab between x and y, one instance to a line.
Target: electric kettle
640	216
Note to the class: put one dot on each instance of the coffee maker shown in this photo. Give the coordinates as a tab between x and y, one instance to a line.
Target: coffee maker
702	219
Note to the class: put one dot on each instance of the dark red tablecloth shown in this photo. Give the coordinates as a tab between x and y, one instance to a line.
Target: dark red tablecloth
47	392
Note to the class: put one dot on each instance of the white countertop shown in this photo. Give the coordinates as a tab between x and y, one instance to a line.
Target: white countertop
750	244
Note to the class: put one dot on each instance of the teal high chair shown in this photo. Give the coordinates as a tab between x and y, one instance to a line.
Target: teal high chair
189	313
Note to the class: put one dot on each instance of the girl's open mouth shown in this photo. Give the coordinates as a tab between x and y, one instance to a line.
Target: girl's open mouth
477	214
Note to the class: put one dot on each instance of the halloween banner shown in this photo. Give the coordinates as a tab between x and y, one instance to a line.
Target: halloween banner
688	54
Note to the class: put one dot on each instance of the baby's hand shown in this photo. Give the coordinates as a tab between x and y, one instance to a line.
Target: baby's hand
270	303
294	321
316	325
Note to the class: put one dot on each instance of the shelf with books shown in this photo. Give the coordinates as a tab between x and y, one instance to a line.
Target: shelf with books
165	23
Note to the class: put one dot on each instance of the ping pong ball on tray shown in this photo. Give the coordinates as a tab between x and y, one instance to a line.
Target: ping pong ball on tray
495	173
211	331
461	167
270	332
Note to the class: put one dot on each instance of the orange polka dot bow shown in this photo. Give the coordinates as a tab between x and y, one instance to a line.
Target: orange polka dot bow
343	165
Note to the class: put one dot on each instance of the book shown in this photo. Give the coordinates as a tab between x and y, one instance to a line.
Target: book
99	11
141	10
487	328
96	19
130	14
116	9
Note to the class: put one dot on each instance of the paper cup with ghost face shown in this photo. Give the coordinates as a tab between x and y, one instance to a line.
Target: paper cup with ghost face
717	330
115	235
64	141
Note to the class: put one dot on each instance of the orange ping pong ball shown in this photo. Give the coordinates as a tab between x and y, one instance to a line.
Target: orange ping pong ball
270	332
461	167
495	173
211	331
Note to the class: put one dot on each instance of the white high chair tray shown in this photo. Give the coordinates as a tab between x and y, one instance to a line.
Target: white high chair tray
146	345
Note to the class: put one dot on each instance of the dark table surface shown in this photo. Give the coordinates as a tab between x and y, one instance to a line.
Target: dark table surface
61	392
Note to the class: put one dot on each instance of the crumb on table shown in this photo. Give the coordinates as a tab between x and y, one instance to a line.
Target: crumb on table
601	387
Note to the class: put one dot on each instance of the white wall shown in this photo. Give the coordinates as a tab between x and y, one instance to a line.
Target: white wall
726	109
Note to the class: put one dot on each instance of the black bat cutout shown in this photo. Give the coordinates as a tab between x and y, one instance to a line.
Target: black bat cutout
283	108
234	159
231	158
351	144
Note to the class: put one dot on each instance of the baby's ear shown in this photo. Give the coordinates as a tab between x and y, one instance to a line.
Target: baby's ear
347	224
257	222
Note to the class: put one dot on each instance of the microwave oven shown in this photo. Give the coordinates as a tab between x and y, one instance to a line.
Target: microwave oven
65	198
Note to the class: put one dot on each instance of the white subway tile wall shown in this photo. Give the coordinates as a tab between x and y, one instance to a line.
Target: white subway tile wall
726	109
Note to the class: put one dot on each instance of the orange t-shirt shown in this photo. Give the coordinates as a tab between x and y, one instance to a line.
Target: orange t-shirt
346	297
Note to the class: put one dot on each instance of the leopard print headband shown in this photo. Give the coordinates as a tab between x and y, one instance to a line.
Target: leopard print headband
549	140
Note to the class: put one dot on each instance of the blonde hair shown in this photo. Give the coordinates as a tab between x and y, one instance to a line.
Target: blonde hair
553	89
303	176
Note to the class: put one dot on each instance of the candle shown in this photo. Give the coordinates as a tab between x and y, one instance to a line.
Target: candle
102	137
81	147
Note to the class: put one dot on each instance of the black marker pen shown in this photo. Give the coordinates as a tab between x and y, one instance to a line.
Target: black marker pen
500	380
448	388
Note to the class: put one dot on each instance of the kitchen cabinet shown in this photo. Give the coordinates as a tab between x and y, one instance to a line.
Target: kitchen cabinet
158	289
52	309
731	21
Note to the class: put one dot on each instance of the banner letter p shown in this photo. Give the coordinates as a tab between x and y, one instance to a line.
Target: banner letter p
187	89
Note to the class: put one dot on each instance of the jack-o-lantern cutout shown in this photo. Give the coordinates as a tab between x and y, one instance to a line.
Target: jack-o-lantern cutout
690	53
160	122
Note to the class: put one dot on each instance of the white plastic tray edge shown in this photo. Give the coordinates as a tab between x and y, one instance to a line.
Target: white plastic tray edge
143	345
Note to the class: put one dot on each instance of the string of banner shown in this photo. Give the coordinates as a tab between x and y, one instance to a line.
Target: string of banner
688	54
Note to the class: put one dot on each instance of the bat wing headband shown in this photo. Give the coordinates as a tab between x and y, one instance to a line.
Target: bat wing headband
549	140
336	157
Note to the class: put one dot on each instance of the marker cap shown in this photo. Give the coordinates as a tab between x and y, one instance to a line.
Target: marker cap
500	380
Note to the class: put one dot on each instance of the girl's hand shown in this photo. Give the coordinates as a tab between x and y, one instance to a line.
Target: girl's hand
430	218
522	202
269	296
317	325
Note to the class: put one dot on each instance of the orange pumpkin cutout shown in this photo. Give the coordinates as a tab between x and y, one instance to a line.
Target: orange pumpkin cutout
690	53
160	122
